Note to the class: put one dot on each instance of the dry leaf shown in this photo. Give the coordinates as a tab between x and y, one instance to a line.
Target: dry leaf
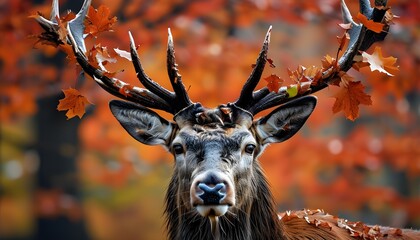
380	63
73	102
273	82
123	54
349	98
98	21
328	62
370	24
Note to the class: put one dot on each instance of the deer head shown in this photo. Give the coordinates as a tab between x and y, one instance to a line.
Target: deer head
218	188
215	150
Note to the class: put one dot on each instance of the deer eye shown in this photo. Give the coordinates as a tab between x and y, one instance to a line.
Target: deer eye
178	149
249	148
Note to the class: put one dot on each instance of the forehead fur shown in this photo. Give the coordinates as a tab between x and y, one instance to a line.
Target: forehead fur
224	116
214	132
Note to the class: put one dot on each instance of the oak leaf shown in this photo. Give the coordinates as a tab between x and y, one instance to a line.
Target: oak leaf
380	63
98	21
349	98
73	102
273	82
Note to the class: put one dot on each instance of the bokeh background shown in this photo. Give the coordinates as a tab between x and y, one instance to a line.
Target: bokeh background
87	179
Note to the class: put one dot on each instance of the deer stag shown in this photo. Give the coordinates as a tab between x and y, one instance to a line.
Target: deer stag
218	189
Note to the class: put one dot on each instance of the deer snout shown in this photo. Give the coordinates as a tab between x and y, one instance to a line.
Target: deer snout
213	192
212	195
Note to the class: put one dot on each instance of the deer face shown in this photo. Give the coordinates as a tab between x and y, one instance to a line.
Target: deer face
215	151
213	164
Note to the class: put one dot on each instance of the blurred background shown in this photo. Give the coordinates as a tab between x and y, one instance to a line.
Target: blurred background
87	179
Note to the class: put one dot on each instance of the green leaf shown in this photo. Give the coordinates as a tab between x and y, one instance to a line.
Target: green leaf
292	90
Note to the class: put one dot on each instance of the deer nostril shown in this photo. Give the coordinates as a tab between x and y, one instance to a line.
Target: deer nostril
212	194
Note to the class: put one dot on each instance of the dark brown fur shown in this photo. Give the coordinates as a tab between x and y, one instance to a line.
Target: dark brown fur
255	219
258	219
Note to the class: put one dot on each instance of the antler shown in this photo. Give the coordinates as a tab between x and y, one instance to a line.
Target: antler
152	96
361	39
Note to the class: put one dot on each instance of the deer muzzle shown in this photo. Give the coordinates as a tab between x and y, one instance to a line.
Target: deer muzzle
212	194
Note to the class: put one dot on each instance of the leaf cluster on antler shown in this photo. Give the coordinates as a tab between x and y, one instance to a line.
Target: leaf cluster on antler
68	33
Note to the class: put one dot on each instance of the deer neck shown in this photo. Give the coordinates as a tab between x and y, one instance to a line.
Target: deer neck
256	218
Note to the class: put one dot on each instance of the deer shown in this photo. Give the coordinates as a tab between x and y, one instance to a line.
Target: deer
218	189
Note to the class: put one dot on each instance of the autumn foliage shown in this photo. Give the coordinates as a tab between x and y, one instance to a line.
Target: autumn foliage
370	165
348	99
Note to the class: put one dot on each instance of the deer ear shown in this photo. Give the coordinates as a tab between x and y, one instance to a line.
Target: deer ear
285	121
141	123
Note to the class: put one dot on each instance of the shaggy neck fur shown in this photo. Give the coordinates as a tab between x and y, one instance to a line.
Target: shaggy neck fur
256	218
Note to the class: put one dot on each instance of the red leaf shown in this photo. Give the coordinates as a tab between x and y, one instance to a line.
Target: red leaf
73	102
270	61
349	98
273	82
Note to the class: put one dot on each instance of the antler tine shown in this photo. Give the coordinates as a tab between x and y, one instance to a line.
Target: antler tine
112	85
360	37
144	79
152	96
55	12
246	99
77	25
116	87
182	99
360	40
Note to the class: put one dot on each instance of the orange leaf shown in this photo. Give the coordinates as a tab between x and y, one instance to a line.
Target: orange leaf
344	79
343	40
370	24
328	62
380	63
349	98
68	50
273	82
98	21
358	65
73	102
310	73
